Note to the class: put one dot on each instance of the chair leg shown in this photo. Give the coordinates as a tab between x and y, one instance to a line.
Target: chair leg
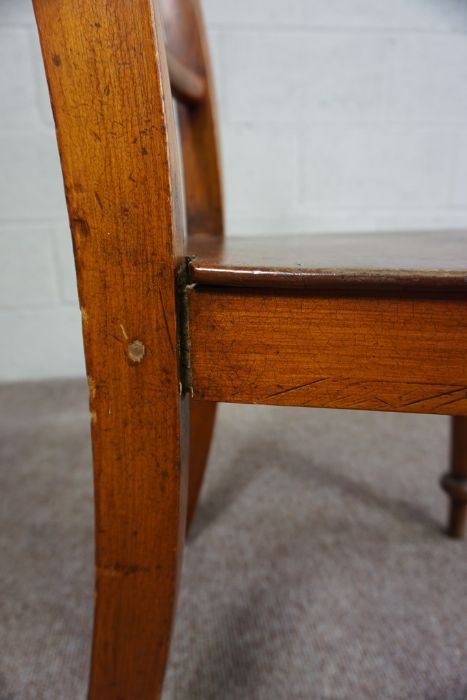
455	482
140	528
202	419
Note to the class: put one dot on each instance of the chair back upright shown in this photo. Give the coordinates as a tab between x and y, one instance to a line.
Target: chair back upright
187	45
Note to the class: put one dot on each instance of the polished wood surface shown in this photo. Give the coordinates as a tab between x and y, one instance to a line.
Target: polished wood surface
405	354
332	261
186	85
366	322
455	482
186	40
117	144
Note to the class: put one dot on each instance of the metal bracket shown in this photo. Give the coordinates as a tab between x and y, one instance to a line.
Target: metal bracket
183	340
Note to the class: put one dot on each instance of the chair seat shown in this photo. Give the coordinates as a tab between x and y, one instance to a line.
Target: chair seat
420	260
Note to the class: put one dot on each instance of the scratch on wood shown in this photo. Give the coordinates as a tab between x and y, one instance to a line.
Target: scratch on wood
295	388
448	403
98	200
166	322
435	396
119	569
80	226
92	388
386	403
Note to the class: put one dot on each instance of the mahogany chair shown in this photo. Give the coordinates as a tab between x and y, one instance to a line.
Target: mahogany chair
374	322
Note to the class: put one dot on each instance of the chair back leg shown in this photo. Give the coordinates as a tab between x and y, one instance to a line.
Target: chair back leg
455	481
202	419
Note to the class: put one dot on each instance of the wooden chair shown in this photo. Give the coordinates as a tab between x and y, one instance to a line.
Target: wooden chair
375	322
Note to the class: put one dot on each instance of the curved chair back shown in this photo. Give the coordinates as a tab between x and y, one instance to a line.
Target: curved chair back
109	86
189	65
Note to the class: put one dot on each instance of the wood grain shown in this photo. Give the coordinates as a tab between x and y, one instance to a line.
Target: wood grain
379	261
295	349
117	145
323	330
186	40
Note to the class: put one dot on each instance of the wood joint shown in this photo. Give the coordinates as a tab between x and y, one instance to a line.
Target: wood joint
184	329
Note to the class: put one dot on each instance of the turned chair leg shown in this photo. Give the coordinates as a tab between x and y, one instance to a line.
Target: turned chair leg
202	418
455	481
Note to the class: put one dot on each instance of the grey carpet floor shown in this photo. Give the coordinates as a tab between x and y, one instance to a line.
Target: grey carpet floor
316	568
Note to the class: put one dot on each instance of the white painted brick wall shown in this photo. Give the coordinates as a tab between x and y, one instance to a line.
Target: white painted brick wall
335	115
